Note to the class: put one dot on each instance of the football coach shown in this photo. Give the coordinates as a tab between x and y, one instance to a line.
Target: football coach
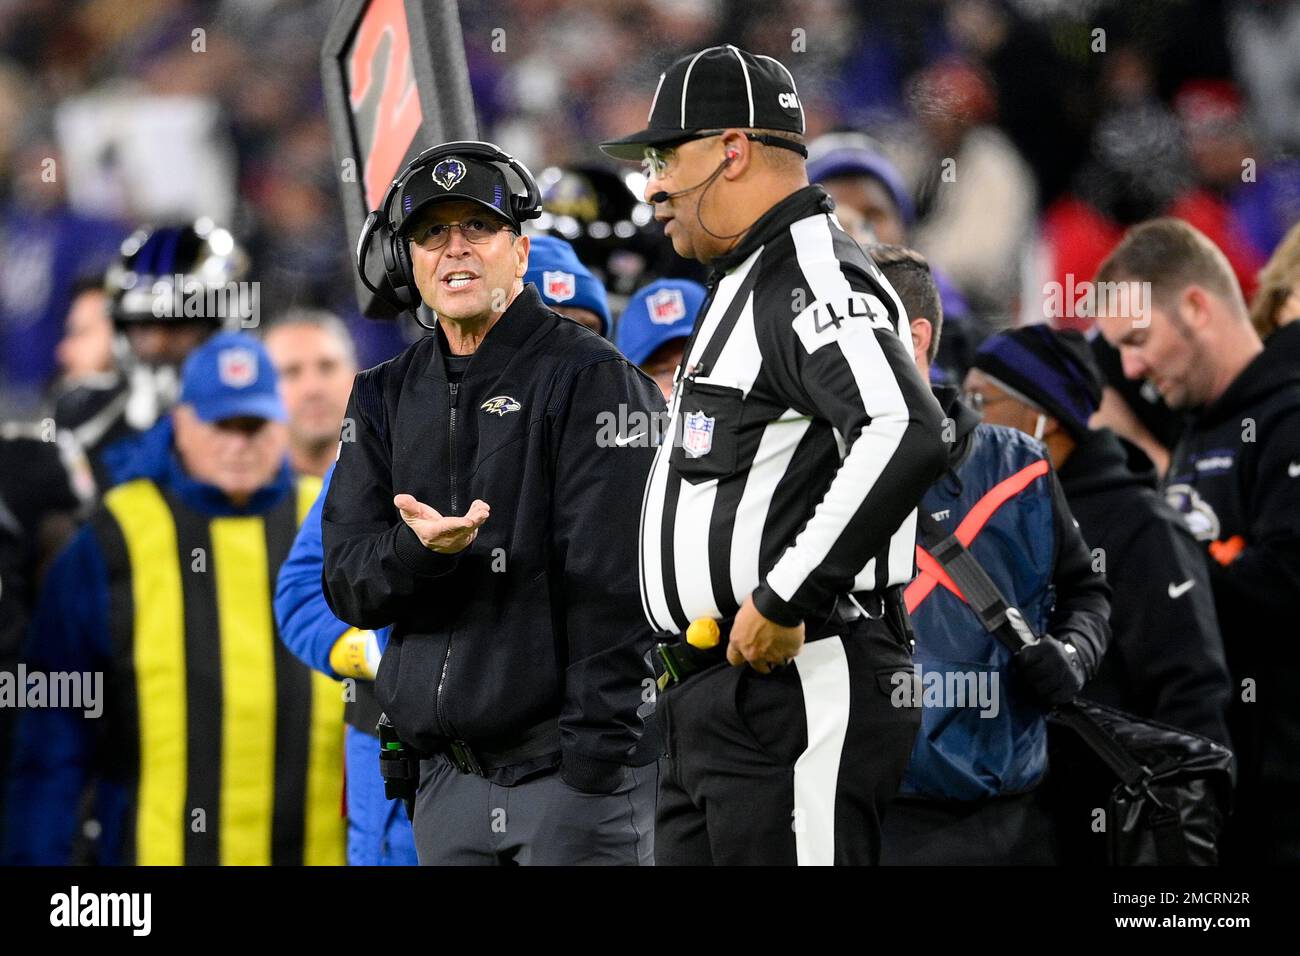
781	516
473	509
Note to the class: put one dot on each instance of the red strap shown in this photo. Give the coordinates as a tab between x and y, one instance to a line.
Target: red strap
929	566
931	572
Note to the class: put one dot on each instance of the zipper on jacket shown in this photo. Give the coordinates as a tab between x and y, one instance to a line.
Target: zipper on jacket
454	388
442	683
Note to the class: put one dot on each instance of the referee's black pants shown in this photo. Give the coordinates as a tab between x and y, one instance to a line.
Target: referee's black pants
791	767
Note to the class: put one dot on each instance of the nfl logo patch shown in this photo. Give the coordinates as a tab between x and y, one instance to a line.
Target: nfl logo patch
559	286
698	438
666	306
237	368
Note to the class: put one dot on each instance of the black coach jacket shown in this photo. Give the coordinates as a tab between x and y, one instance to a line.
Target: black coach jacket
1166	658
541	616
1235	477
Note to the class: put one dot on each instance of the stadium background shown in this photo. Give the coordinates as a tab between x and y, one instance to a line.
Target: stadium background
155	109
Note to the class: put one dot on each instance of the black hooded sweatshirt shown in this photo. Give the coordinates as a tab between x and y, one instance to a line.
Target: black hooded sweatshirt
1165	659
1236	478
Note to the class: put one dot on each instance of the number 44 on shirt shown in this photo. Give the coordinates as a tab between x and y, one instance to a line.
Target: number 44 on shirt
824	321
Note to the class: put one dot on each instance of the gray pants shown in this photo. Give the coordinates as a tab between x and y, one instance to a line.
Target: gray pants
465	820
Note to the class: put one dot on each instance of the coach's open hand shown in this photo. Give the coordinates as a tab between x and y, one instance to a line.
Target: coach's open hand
444	535
760	642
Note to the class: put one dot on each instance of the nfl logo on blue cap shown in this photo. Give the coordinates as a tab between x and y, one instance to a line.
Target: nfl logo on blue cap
666	306
664	310
237	367
231	376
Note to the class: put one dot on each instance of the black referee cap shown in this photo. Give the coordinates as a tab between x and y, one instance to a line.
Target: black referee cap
721	87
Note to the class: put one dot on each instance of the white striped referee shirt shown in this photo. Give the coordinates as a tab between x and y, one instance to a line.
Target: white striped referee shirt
802	434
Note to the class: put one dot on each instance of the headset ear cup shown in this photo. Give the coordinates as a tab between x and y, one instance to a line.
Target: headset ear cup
397	266
523	208
410	292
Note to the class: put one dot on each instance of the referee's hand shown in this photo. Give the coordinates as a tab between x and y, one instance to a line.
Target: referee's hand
442	534
759	642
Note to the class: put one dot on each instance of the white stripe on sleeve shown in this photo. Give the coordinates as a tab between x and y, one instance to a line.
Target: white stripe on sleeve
881	396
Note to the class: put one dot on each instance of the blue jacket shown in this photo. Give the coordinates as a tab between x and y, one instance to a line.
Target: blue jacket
1034	553
145	454
54	749
307	625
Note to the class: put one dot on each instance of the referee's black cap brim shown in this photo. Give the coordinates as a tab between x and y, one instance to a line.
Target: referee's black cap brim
633	146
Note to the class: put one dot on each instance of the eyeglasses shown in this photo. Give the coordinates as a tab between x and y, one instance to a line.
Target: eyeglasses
978	401
438	234
658	158
656	162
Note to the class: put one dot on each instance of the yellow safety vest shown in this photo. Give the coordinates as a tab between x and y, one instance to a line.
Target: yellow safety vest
232	746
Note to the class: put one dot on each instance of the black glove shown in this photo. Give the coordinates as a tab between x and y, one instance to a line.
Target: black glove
1051	670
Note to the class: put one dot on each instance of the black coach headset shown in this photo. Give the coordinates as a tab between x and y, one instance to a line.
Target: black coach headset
379	229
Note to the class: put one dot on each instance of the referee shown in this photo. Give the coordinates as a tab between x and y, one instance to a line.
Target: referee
783	507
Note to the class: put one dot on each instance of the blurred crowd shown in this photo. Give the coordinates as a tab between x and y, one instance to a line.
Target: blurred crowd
1063	123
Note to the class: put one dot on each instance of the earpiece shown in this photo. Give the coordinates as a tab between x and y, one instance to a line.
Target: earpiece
731	154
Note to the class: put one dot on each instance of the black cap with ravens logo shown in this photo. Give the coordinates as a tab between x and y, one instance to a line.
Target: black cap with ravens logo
721	87
454	178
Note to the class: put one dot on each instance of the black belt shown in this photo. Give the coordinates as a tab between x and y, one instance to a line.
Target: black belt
676	660
482	757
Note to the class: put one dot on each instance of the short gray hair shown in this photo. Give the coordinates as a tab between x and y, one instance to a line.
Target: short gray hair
320	319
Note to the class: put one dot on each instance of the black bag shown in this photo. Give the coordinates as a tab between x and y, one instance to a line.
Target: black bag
1163	793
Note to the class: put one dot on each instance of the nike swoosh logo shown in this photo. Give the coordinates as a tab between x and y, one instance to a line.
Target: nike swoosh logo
622	442
1178	590
1293	469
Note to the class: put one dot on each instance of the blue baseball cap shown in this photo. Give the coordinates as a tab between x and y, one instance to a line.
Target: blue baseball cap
231	376
657	313
561	279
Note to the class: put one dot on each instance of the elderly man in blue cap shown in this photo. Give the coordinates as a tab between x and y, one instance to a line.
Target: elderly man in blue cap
213	745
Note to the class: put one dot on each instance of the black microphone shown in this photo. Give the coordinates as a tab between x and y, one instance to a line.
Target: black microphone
662	196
